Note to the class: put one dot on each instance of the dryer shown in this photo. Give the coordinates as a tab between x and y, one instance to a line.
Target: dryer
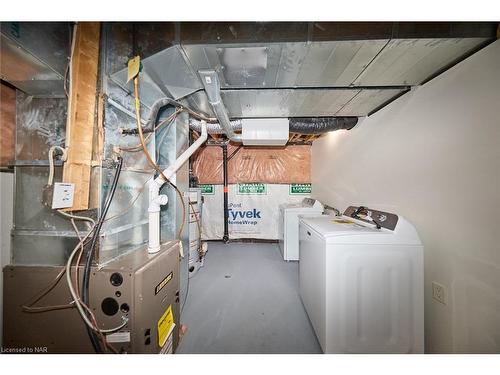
289	225
361	282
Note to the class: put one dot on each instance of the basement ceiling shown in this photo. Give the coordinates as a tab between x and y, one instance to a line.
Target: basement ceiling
299	79
266	69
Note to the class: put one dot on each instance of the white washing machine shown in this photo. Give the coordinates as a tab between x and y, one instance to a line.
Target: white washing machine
363	287
289	225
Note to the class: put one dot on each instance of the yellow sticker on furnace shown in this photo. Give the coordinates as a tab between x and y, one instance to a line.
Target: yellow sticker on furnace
165	326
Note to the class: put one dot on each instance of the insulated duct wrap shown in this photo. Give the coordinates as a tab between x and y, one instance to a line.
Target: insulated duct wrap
213	128
155	109
272	165
320	125
299	125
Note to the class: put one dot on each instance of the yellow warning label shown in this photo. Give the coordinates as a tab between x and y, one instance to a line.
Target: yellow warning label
165	326
133	67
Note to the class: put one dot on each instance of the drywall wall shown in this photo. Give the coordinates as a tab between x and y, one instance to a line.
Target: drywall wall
6	207
433	156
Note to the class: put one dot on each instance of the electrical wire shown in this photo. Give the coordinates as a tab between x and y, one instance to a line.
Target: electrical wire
90	252
76	298
141	189
89	311
138	147
163	136
139	130
130	205
50	180
76	217
28	307
148	155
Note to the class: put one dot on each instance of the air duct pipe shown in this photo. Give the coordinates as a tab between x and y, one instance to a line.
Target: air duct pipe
156	200
320	125
303	125
213	128
211	83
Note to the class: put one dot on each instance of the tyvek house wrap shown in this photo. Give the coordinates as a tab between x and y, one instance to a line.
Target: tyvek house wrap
253	209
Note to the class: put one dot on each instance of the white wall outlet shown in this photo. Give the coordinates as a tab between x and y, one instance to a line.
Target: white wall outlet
63	195
439	292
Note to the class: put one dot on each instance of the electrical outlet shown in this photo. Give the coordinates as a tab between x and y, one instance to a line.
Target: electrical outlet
63	195
439	292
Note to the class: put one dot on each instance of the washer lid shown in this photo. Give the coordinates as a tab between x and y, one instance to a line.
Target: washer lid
329	226
301	209
347	230
289	205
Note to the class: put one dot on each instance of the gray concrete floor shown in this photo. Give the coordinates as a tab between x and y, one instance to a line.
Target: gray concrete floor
246	300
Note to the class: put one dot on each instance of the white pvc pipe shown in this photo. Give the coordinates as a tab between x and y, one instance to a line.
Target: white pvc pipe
156	200
154	232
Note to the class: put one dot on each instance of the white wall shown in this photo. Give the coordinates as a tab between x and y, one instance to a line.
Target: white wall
433	156
6	205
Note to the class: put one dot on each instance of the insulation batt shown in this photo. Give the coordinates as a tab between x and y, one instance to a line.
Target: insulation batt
271	165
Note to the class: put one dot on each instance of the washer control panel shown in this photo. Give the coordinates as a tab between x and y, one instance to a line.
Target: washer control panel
384	219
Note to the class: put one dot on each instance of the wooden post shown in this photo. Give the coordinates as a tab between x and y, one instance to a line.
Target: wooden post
7	125
81	112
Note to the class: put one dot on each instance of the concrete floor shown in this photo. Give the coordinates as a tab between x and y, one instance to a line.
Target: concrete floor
246	300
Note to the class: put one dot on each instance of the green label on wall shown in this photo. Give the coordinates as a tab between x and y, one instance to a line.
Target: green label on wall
207	189
297	189
252	189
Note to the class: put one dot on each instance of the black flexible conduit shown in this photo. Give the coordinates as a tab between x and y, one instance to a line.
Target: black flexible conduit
90	251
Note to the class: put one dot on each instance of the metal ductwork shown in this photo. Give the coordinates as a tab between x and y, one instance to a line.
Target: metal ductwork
34	56
210	81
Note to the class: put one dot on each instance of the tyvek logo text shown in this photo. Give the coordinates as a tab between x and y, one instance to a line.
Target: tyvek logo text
243	217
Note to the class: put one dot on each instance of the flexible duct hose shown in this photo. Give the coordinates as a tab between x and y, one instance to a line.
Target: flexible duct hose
320	125
300	125
213	128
